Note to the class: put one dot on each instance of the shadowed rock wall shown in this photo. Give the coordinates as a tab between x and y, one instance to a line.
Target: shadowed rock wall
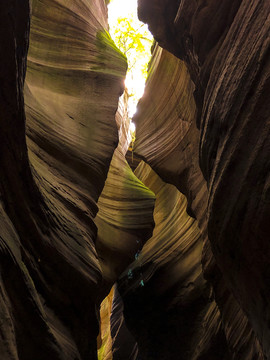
50	273
224	47
164	293
168	139
125	222
198	289
125	217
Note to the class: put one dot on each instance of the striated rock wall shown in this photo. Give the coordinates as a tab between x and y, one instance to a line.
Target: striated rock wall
199	287
167	302
125	217
166	134
104	340
225	48
125	222
50	272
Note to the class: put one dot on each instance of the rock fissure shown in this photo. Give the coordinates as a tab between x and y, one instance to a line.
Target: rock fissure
166	258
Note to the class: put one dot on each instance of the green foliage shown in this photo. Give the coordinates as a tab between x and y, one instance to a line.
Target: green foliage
133	40
128	37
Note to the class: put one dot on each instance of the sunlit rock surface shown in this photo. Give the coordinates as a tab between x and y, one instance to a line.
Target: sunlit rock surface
166	133
125	222
164	293
115	341
50	273
170	144
199	287
104	340
225	49
125	217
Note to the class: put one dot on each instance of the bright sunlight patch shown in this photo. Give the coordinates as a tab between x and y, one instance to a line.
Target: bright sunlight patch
134	40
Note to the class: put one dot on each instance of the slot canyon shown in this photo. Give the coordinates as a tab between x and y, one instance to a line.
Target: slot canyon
162	254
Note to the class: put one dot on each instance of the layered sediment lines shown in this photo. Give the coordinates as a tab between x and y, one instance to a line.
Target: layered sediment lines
50	272
198	287
126	205
166	133
164	292
225	50
125	222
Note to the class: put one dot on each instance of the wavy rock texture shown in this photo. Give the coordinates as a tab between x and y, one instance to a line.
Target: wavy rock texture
125	217
50	272
124	344
164	293
104	340
160	116
115	341
203	126
125	222
228	60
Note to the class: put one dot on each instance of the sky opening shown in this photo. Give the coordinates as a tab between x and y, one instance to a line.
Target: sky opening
133	38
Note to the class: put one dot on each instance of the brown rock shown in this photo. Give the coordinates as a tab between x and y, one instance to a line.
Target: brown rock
50	274
225	48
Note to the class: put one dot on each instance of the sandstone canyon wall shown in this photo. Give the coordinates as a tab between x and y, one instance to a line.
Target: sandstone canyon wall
162	114
49	266
184	237
225	49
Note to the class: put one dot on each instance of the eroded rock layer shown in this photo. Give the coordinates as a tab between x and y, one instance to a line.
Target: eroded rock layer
199	287
104	340
125	217
166	133
164	293
115	341
50	273
225	48
125	222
